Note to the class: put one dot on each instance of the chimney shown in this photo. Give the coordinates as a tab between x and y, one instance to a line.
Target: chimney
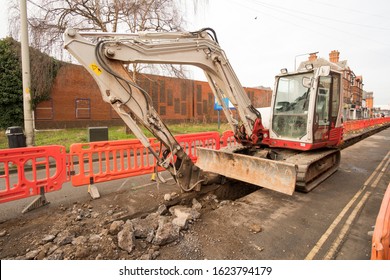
313	57
334	56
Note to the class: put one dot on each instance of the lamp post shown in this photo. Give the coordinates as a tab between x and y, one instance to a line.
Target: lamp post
295	59
28	116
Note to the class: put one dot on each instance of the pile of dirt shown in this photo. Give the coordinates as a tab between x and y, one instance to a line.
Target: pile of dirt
83	232
152	222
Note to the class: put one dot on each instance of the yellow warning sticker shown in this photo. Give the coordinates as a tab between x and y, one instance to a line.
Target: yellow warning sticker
96	69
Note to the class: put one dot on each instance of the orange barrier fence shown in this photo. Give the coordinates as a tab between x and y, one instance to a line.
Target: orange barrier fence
356	125
32	169
381	237
105	161
189	142
228	139
101	161
109	160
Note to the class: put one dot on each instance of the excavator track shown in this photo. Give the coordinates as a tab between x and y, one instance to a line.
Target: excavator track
314	167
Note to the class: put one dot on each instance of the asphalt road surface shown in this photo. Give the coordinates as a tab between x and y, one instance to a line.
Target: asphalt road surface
333	221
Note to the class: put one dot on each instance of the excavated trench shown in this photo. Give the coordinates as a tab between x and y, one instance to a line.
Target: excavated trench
230	190
234	190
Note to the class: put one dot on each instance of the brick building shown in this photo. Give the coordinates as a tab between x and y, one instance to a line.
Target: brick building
76	101
352	84
368	104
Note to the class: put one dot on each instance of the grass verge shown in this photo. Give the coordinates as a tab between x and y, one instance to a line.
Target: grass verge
67	137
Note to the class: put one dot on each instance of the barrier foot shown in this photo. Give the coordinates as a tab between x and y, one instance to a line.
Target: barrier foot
37	202
159	176
93	191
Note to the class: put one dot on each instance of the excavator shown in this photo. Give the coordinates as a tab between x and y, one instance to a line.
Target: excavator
295	149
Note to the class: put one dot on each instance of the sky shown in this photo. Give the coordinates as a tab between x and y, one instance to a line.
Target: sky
260	37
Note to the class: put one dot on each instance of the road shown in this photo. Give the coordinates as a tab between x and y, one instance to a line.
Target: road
331	222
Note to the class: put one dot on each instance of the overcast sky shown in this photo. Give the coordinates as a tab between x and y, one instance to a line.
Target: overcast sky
262	36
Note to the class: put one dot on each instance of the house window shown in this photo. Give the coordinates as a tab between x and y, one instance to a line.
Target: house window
198	93
177	106
155	90
163	110
170	97
211	98
184	89
162	92
155	94
205	107
183	109
83	108
199	108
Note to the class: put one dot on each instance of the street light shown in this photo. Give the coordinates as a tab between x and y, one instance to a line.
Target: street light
295	60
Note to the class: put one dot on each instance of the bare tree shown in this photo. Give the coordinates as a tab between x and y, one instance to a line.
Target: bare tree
48	19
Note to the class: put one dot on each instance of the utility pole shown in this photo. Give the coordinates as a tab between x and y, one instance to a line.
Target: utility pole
28	115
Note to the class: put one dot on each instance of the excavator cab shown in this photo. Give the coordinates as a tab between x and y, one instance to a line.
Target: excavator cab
306	112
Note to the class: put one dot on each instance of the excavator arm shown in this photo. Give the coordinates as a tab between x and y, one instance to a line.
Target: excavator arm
198	48
104	56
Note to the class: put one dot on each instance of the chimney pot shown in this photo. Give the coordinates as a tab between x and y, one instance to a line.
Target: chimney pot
334	56
313	57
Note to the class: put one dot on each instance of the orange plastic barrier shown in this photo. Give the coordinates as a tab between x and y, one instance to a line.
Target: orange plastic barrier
104	161
356	125
228	139
189	142
110	160
24	171
381	238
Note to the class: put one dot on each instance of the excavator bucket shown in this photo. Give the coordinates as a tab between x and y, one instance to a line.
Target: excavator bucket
274	175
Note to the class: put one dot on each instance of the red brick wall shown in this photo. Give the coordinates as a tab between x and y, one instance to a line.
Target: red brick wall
176	100
73	83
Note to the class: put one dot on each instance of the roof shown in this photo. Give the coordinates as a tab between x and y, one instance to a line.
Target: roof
262	87
338	66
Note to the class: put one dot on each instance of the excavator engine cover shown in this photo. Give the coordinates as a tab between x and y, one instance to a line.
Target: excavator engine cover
270	174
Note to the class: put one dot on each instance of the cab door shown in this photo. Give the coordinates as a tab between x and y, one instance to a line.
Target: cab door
322	121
